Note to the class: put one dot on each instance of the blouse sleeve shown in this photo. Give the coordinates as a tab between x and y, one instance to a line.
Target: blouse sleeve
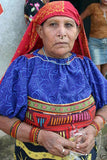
13	90
97	82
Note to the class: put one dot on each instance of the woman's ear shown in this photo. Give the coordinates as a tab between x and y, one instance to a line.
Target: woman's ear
39	30
78	31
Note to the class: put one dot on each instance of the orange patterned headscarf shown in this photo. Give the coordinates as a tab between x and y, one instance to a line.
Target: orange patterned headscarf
31	39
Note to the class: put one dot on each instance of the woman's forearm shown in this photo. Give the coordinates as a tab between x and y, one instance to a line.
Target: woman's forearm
103	112
101	117
23	130
85	14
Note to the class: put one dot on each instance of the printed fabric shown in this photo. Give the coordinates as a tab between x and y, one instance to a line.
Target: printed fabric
31	8
28	77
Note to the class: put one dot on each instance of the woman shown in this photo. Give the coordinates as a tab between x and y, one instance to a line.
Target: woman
52	88
98	34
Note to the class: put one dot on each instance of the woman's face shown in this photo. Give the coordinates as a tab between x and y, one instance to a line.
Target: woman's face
104	2
58	35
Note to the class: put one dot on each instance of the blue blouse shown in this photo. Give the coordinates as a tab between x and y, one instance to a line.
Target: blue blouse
42	79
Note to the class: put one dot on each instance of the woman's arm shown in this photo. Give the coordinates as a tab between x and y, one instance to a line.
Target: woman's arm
23	130
85	13
101	113
53	142
91	130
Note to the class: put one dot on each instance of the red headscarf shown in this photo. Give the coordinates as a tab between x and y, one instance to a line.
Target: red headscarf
31	39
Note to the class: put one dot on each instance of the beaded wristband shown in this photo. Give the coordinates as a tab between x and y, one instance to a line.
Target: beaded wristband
34	134
96	126
104	121
14	128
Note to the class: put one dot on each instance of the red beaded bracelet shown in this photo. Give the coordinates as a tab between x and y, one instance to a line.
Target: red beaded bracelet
104	121
14	128
34	134
96	126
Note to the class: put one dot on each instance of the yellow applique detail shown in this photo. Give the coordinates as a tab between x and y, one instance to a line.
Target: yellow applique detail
41	155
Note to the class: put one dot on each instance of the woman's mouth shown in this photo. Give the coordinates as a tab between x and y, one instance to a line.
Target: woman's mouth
61	43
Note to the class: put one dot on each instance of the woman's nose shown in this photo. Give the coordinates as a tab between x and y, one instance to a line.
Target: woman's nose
61	31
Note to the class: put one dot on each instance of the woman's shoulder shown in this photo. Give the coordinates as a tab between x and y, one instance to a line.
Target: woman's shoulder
83	59
25	57
92	6
26	60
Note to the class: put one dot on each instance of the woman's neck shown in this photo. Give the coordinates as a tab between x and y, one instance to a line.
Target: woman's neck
43	52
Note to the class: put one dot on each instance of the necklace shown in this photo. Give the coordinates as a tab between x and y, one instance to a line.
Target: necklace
52	61
104	15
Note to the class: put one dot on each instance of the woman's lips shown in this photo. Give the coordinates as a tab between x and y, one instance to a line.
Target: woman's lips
61	43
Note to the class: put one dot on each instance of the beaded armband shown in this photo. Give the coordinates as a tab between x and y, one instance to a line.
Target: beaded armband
14	128
96	126
34	135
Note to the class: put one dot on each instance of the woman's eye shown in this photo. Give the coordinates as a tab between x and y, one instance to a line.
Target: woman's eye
53	24
69	25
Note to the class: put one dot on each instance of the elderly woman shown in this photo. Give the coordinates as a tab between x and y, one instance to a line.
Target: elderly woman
52	88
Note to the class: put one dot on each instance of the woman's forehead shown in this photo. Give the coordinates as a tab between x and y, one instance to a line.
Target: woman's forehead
60	18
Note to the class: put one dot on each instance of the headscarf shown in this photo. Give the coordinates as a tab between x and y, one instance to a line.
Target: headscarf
31	39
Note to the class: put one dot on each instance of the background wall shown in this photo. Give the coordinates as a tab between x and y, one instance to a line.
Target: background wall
12	28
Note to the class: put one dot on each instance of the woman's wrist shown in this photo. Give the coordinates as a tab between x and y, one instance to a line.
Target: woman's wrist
14	128
96	126
98	123
41	136
102	118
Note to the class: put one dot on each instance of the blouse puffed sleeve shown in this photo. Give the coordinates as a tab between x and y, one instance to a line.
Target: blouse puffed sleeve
97	82
13	89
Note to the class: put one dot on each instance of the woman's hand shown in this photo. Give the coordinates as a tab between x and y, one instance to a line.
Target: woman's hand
88	140
55	144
